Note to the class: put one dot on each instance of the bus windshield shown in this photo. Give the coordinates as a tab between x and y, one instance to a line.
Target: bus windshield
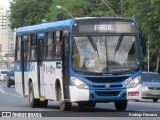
105	54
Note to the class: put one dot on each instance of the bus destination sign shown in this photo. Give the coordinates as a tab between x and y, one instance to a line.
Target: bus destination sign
105	27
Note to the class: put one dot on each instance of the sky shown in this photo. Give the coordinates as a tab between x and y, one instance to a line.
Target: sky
5	4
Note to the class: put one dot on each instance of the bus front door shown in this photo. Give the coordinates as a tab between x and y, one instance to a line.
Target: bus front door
24	65
65	66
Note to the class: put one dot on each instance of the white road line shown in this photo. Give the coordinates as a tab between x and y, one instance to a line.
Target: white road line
13	95
2	91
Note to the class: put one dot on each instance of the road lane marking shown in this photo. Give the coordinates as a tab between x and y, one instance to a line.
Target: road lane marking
13	95
2	91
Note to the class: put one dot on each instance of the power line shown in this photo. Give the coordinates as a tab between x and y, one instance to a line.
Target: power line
109	8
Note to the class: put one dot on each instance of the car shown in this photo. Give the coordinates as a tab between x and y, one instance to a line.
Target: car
11	79
3	74
151	86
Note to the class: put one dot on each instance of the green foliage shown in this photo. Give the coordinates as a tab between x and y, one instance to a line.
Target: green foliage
28	12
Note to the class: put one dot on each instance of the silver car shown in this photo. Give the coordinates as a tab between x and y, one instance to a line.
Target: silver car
4	74
151	86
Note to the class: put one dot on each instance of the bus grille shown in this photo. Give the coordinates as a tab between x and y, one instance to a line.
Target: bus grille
114	93
106	79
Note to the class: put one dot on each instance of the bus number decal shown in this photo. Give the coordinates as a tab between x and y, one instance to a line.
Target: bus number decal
127	81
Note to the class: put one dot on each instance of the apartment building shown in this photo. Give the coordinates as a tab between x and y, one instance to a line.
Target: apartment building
7	35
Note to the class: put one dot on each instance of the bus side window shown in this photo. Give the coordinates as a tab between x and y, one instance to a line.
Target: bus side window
57	43
49	45
33	47
18	48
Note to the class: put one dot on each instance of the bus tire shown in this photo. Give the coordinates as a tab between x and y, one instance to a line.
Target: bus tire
82	105
64	106
91	104
155	100
33	102
121	105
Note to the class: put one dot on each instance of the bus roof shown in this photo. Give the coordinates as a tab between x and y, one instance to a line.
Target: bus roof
44	26
62	24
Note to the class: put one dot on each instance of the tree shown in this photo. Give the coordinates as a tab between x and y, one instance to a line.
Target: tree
28	12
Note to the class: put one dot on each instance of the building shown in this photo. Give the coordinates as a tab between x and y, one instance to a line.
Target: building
7	35
7	40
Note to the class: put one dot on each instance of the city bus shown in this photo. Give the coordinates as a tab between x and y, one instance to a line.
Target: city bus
82	60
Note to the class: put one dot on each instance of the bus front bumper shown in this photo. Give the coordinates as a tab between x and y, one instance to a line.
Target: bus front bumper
77	95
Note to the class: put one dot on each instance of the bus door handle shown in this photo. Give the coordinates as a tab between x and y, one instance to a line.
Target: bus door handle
58	65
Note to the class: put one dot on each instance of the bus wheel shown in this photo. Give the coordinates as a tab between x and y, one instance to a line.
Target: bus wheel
33	102
121	105
82	105
64	106
155	100
91	104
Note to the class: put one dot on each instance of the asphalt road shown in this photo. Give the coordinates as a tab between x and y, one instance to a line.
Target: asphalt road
11	101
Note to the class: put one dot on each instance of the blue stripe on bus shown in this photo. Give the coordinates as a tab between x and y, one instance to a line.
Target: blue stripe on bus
45	26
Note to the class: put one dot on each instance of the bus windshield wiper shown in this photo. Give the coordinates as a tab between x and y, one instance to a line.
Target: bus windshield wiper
93	44
118	44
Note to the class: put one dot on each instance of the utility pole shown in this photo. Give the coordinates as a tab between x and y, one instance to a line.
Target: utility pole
148	53
158	60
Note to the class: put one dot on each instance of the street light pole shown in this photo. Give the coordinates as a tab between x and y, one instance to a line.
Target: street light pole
59	7
148	53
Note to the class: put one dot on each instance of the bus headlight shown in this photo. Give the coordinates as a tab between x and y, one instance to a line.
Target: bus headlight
78	83
134	82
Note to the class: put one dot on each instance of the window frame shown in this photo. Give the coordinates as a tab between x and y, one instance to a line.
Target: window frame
49	44
33	46
18	48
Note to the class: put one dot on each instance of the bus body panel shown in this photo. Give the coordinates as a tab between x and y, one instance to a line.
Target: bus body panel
18	82
26	83
133	91
77	95
18	78
51	74
32	74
